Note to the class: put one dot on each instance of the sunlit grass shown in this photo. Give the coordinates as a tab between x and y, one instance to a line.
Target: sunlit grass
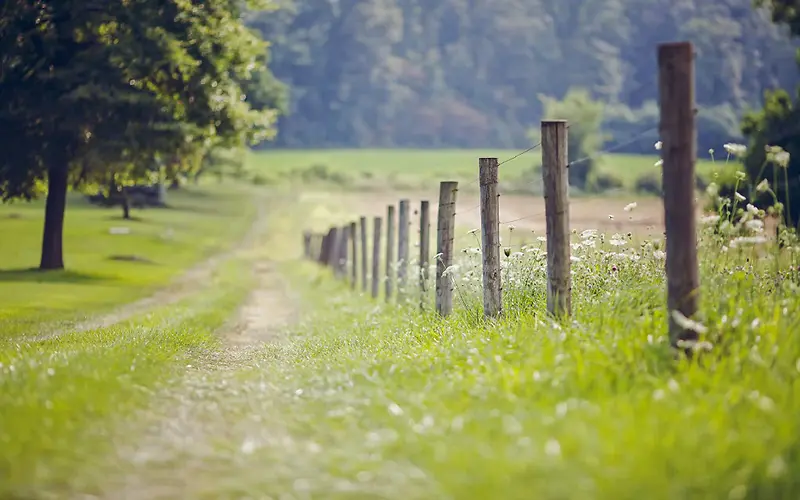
109	260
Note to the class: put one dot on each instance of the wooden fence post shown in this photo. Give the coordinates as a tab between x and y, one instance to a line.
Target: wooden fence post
376	256
445	233
679	153
490	236
342	262
389	251
333	254
402	248
364	270
354	262
307	244
325	250
424	249
555	178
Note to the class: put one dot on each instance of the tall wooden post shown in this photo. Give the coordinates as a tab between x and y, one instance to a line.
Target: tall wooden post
555	177
445	233
402	247
334	248
679	153
364	270
307	244
490	236
390	232
424	249
376	256
354	263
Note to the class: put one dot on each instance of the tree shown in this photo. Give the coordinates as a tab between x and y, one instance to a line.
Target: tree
776	126
82	80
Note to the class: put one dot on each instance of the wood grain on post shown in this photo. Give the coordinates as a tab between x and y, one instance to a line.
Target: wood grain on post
354	259
424	249
342	263
402	247
679	153
555	179
490	236
445	233
390	231
364	270
376	257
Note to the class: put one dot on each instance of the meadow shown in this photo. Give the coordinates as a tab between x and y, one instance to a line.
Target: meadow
268	378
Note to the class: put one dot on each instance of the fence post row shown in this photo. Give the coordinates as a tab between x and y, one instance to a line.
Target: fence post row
679	153
390	232
490	236
376	256
445	234
555	180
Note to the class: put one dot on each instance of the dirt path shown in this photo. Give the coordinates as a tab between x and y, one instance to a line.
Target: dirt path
185	435
196	277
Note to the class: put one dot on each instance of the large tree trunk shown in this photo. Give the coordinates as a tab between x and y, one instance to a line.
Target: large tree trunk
55	206
126	204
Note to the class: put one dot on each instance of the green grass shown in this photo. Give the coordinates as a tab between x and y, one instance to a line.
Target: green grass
60	398
412	169
384	402
99	274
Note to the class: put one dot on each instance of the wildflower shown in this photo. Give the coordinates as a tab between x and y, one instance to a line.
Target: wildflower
739	197
735	149
741	175
511	227
610	217
450	270
659	145
473	231
778	156
660	254
552	448
762	186
659	163
541	238
574	258
711	151
589	233
747	240
712	189
753	210
755	225
710	219
630	206
686	323
617	242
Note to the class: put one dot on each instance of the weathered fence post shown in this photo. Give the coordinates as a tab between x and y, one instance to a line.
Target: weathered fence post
354	262
424	249
389	250
376	256
307	244
333	255
325	252
555	179
490	236
342	262
679	153
445	233
402	247
363	223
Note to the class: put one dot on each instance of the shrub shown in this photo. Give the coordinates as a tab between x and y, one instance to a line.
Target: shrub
604	181
649	183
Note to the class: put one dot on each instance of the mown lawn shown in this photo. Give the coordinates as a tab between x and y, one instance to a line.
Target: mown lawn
108	260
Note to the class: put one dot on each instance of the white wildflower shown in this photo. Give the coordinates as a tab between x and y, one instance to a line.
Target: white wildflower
735	149
589	233
712	189
739	197
659	163
687	323
450	270
395	410
659	145
755	225
660	255
747	240
762	186
630	207
710	219
753	210
541	238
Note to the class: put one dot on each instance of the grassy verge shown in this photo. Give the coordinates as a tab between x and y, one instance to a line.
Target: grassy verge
59	398
110	261
381	401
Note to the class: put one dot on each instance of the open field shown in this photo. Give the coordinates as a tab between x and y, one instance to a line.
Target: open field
109	260
267	378
415	169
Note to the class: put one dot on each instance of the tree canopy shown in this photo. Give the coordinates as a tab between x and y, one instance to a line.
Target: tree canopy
467	73
88	87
